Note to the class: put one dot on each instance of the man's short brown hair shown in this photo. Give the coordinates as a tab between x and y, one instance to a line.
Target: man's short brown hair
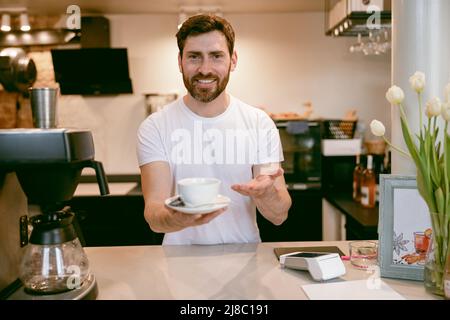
204	23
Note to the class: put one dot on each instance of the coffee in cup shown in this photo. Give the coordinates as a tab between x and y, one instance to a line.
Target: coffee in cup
198	191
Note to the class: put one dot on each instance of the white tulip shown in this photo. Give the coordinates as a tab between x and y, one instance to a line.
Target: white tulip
447	92
395	95
377	128
445	112
417	81
434	107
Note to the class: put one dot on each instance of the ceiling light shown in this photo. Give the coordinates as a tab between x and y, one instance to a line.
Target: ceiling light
6	22
24	22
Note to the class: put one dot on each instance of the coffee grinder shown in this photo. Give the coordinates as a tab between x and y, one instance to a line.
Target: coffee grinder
48	165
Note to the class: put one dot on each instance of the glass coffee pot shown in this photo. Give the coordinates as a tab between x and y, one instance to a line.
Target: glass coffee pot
54	260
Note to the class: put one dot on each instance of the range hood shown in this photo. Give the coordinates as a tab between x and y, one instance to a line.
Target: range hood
95	68
92	71
356	17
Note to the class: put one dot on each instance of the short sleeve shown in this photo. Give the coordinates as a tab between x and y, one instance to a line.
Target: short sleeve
150	146
269	144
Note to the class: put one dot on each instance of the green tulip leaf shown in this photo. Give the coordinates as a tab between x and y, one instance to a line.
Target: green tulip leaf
440	200
425	192
408	140
447	152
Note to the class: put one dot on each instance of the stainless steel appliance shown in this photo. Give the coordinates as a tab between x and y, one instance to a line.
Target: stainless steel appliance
301	141
17	71
48	165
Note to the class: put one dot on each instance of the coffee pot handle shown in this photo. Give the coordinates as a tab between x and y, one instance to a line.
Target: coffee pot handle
101	177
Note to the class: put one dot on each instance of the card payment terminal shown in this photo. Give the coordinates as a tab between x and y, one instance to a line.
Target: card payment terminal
321	266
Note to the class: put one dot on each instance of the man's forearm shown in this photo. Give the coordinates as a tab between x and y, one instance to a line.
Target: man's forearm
157	216
274	204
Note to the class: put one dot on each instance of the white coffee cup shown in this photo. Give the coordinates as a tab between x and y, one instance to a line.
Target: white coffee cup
198	191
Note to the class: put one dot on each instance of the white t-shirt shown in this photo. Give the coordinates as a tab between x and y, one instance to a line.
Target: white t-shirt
223	147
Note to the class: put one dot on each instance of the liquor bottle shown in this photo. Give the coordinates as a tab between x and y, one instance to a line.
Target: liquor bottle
379	169
384	168
368	185
387	166
357	175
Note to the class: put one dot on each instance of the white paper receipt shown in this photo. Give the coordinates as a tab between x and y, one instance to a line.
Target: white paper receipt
351	290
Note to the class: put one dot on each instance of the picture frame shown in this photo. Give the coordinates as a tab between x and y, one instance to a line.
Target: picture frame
404	228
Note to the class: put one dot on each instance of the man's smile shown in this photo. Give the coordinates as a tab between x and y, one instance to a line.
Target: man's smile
205	83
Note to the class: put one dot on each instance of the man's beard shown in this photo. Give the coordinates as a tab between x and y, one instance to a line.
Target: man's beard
205	95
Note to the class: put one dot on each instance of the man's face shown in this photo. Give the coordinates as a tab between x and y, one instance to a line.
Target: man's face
206	65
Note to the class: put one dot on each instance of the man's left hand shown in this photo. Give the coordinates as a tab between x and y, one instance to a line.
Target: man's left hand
258	186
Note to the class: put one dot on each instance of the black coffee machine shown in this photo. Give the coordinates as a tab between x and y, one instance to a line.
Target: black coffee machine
48	164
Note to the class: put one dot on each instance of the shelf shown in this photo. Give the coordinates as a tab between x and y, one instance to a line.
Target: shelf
357	24
353	17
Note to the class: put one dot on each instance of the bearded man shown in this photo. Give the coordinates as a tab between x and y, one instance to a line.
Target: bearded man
210	134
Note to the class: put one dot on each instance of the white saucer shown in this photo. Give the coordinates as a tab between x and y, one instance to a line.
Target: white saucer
222	202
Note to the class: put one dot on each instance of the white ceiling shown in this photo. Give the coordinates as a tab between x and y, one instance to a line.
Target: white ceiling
52	7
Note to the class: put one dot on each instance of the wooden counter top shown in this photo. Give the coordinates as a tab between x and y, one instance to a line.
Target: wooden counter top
235	271
345	203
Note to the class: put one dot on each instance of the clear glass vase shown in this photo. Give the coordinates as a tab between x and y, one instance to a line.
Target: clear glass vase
434	268
447	277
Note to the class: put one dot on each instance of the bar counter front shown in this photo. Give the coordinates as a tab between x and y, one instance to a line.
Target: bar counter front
215	272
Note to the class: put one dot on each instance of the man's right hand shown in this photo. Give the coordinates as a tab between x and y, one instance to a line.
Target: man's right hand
163	219
185	220
156	181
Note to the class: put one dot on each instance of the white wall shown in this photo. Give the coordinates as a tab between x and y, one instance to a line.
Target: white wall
283	61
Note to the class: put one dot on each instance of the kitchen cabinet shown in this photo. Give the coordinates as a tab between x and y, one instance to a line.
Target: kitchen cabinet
360	223
304	222
116	220
355	222
119	221
333	222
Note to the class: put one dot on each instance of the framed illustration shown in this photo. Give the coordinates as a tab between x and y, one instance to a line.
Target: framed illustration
404	228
